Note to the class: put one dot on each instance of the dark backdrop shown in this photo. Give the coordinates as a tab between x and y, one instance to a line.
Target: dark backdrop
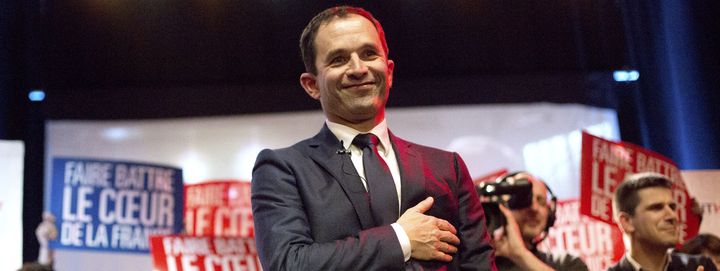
149	59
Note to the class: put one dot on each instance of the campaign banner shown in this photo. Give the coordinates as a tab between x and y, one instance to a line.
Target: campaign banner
114	205
219	208
203	253
703	184
12	154
605	164
598	244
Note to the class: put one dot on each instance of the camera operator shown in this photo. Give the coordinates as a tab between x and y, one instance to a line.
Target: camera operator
516	242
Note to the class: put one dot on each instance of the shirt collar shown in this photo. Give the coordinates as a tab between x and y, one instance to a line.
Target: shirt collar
668	258
636	266
346	134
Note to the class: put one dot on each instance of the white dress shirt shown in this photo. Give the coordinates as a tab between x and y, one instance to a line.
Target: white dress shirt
346	135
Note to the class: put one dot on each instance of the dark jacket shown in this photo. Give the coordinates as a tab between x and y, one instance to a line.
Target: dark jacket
311	210
678	262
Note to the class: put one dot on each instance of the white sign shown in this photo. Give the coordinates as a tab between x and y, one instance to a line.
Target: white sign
11	180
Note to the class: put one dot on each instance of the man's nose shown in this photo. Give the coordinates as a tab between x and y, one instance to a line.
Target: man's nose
535	205
671	214
357	67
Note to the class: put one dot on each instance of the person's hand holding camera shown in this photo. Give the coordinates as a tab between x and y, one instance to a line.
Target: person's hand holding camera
508	243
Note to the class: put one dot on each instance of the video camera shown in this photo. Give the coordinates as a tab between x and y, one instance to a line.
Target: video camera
514	193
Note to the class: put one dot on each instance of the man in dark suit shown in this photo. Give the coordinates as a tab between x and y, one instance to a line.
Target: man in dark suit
646	212
317	205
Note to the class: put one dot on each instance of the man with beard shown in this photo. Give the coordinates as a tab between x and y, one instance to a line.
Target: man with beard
355	196
646	212
516	242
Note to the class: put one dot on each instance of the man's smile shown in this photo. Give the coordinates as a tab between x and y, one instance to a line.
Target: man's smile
358	85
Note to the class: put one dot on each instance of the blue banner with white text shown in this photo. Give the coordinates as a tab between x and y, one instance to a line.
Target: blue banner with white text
114	205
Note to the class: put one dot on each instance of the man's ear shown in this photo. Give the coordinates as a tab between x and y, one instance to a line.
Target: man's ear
625	222
391	68
309	82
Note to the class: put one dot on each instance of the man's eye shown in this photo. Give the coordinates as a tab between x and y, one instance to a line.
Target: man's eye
338	60
370	53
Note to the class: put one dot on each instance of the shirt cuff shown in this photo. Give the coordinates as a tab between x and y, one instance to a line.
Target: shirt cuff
404	240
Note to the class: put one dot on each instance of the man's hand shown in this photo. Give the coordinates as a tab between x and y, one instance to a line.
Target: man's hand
431	238
507	240
508	243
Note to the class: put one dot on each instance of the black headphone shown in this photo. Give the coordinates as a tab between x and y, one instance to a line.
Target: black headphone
551	209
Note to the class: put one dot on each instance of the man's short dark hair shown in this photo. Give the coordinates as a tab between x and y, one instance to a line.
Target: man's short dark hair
307	39
626	195
700	243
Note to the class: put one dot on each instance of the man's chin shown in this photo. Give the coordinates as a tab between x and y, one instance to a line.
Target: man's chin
670	241
530	233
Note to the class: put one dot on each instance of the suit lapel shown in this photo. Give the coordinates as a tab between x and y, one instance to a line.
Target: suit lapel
411	173
323	150
625	264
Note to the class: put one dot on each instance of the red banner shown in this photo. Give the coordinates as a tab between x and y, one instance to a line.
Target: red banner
203	253
599	244
218	208
603	166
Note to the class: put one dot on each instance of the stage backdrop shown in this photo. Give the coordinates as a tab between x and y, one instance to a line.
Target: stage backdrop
541	138
11	181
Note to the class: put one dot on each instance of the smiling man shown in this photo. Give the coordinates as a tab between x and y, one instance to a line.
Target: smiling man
646	212
355	196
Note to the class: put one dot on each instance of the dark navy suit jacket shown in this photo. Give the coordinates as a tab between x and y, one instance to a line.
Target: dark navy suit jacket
311	210
678	262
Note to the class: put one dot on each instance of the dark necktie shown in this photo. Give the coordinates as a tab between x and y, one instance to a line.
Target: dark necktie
381	187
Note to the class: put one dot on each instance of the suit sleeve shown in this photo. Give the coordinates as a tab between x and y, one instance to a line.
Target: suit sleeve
284	236
475	250
708	264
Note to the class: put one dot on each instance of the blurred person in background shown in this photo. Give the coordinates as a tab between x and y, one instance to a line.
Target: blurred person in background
516	244
646	212
703	244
